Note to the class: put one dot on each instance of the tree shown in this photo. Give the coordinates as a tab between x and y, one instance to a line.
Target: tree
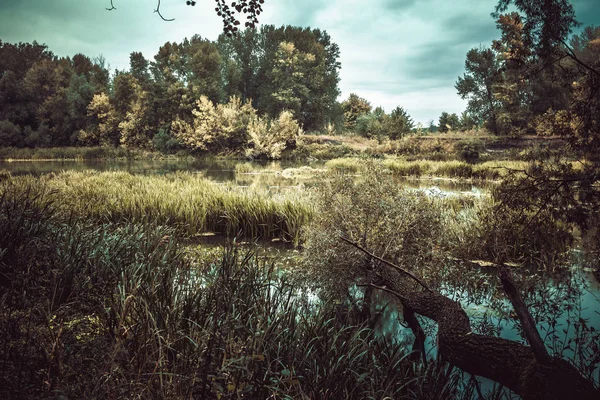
399	123
354	107
468	121
320	77
477	85
268	139
372	124
448	122
105	128
139	68
217	128
201	68
290	75
241	59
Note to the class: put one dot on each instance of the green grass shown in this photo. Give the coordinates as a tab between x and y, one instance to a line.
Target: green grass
489	170
185	201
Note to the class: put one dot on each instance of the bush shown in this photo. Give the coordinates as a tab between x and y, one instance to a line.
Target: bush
468	150
10	135
165	143
269	140
499	233
394	223
38	138
220	129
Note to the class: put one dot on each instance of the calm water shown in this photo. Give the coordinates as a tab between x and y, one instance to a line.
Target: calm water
265	174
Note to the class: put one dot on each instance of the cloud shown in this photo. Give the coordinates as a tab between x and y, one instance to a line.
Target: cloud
393	52
587	12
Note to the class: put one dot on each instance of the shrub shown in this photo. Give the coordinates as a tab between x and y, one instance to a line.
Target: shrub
221	128
165	143
468	150
269	140
394	223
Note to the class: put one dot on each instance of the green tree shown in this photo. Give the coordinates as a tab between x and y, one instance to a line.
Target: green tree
399	123
139	68
353	107
201	67
261	71
477	85
468	121
290	79
448	122
372	124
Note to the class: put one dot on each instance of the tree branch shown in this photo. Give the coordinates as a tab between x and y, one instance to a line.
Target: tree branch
531	333
572	55
112	6
160	15
397	268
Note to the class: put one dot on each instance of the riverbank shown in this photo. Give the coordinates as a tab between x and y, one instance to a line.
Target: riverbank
447	147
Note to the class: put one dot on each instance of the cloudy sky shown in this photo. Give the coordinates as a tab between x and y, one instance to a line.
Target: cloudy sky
393	52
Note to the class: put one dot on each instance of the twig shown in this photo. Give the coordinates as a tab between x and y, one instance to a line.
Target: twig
397	268
160	15
390	291
112	6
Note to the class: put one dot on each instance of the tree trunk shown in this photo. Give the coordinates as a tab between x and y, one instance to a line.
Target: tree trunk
507	362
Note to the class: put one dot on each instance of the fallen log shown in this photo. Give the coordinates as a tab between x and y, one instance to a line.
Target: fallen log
507	362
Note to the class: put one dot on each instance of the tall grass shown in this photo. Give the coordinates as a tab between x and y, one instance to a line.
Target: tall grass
185	201
123	311
489	170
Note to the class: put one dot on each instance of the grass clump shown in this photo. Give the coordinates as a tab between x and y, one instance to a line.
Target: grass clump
347	165
184	201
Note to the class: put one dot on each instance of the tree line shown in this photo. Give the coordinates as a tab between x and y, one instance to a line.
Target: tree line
47	100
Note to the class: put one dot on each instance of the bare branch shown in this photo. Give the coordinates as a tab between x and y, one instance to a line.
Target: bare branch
383	288
397	268
112	6
160	15
531	332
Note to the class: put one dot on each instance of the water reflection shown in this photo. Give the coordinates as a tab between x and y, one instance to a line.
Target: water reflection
279	175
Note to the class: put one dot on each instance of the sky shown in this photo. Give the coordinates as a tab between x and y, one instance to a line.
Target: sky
406	53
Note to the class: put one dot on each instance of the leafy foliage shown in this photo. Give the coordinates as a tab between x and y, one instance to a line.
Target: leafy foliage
269	140
353	108
392	222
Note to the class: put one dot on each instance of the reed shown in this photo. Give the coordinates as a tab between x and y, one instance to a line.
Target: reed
184	201
124	311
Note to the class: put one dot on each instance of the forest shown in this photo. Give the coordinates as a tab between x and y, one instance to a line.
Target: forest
219	223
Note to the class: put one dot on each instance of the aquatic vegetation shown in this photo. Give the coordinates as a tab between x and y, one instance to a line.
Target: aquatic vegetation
123	310
185	201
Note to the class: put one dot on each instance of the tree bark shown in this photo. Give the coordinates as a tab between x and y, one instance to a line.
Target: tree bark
507	362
